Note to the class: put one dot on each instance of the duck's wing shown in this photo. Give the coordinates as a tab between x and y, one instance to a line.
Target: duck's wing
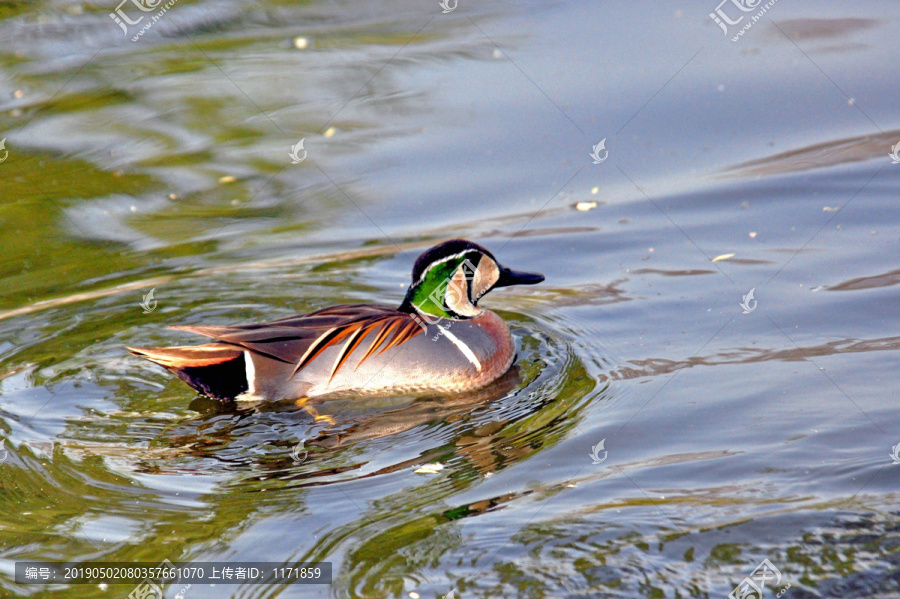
300	339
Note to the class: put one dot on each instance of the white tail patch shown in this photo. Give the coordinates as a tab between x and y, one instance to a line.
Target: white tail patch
250	370
466	351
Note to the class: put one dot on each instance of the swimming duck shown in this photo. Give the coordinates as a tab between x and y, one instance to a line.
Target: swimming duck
437	340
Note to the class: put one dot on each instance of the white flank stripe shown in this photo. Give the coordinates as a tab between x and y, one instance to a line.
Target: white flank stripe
463	348
251	373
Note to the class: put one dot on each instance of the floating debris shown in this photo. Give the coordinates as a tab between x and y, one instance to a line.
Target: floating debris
830	208
723	257
752	234
301	43
585	206
429	469
595	191
227	179
329	132
173	196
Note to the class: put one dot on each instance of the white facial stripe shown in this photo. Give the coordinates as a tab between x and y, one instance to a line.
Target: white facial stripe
457	295
466	351
442	260
486	276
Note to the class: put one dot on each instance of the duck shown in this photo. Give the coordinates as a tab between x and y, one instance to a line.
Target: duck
438	340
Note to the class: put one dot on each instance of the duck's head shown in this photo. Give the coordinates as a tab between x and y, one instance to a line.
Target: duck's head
450	278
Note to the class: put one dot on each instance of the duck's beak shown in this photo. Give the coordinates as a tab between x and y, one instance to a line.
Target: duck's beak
509	276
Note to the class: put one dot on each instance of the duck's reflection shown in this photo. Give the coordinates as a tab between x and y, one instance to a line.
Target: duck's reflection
301	448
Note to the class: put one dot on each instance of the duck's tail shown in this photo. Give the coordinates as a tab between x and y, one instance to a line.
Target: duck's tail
215	369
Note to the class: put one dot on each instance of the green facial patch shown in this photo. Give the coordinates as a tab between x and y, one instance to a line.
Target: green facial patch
428	295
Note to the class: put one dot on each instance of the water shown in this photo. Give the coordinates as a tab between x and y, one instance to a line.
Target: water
728	437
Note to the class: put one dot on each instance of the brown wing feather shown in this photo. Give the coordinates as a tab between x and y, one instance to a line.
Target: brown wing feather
349	346
397	328
390	333
193	356
410	330
301	339
317	347
379	338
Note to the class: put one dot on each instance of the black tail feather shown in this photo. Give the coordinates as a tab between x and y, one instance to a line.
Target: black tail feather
223	381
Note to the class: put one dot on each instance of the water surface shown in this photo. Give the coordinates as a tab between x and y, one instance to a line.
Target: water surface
730	435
